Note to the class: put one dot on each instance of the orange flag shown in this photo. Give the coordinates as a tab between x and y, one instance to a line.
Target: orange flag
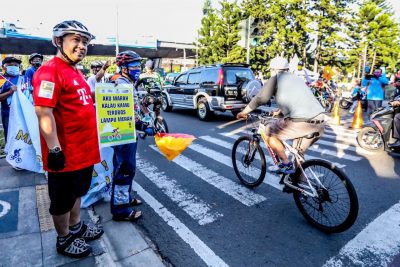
171	145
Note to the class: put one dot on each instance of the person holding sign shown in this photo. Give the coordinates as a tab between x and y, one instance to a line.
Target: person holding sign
67	123
122	201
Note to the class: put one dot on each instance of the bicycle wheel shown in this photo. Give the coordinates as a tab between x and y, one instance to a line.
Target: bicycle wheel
160	125
335	209
248	161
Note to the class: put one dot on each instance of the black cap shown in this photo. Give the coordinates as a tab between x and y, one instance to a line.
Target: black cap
10	59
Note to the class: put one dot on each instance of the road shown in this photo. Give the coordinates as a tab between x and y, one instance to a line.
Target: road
198	214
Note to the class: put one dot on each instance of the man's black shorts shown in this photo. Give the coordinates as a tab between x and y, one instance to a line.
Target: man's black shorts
66	187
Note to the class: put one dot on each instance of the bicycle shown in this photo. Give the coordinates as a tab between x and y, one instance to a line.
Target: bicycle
313	188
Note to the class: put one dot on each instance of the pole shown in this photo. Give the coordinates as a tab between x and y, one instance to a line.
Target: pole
117	37
248	41
184	58
365	58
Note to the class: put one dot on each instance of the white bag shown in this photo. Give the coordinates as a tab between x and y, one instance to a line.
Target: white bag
23	140
101	179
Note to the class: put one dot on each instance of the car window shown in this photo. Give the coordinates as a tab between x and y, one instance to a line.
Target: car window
234	75
210	76
194	78
181	79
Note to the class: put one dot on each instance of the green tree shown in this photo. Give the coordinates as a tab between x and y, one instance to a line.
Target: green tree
206	34
330	19
283	29
219	34
375	36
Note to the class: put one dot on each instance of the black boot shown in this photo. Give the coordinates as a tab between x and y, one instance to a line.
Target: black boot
395	144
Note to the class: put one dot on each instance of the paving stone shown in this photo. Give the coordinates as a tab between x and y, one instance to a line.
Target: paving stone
50	255
132	243
88	261
10	178
144	258
22	250
102	209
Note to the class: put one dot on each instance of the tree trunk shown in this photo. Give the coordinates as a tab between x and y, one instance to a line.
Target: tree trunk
359	68
373	62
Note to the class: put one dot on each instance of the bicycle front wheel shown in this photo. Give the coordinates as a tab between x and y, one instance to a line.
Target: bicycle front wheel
248	161
335	208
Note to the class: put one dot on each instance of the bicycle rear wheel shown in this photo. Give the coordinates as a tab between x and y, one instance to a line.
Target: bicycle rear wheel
248	161
335	209
160	125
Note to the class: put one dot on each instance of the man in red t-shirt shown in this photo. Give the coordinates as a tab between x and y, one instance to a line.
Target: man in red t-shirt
69	142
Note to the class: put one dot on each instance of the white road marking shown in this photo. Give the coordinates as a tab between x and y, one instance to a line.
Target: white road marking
194	207
6	208
238	192
376	245
228	123
271	179
312	148
199	247
269	160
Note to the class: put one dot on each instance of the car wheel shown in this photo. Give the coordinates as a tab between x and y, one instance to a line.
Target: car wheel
165	106
203	110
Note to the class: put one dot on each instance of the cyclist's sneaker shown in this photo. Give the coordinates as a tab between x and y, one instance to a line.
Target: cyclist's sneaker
282	168
146	118
89	233
73	247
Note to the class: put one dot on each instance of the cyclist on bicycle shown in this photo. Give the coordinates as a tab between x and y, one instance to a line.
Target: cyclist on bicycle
152	82
302	112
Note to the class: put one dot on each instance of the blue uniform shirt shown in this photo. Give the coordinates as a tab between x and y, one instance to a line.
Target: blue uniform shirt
375	90
5	105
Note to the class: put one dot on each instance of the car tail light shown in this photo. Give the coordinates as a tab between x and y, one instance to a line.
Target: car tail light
220	77
378	125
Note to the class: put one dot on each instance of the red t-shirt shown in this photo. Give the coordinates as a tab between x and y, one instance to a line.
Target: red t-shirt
60	86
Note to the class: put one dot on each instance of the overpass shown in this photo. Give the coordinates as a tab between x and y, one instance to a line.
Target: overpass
15	43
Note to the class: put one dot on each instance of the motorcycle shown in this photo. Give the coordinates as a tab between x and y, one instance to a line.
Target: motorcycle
377	135
347	102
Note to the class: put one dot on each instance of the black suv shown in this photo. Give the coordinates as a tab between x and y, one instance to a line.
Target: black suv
209	88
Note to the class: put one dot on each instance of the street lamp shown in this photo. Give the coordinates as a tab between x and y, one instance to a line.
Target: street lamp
117	37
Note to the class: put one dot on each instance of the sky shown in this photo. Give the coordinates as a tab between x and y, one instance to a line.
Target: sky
166	20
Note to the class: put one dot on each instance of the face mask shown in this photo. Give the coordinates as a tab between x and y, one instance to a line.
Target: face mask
134	74
377	74
37	64
12	70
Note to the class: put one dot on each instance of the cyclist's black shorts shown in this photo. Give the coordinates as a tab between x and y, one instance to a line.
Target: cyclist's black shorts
66	187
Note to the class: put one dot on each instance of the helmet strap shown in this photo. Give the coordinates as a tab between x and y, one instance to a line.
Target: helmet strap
65	55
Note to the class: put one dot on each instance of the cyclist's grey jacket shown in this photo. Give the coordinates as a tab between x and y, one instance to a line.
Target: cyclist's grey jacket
292	95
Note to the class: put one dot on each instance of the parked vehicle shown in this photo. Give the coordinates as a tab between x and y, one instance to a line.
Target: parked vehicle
377	135
209	88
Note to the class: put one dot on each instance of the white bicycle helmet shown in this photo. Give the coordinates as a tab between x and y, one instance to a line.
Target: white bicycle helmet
71	26
279	63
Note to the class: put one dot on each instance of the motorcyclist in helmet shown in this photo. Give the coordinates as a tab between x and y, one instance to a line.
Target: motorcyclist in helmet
302	112
151	82
396	122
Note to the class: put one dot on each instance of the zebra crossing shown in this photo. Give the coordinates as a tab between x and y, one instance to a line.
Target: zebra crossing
337	145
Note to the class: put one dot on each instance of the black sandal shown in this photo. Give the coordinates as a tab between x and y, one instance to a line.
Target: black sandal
136	202
133	216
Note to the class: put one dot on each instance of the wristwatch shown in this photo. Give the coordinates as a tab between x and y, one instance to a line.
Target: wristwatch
55	149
